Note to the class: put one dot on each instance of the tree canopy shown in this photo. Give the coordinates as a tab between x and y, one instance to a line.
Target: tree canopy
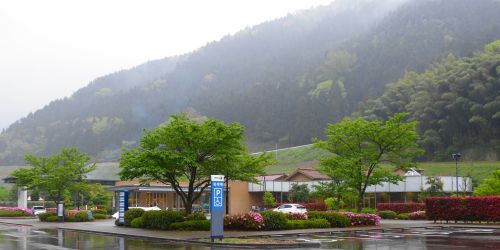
489	186
56	176
360	146
184	153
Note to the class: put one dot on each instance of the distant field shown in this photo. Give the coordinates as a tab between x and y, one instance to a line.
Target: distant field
292	158
289	159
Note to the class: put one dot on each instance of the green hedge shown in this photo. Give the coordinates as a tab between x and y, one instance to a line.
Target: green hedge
52	218
44	216
131	214
403	216
274	220
11	213
196	216
198	225
137	222
100	216
387	214
335	219
99	211
83	216
161	219
310	223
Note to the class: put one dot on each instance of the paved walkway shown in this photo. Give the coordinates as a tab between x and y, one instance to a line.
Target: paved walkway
108	227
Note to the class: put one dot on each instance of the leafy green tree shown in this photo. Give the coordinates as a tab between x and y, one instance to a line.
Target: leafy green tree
188	151
435	188
98	195
4	193
299	193
490	186
360	146
56	176
269	199
328	189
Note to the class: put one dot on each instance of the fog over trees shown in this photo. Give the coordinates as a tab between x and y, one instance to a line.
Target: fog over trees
286	79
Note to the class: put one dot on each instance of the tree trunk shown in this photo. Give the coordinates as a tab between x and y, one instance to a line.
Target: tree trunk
360	202
338	201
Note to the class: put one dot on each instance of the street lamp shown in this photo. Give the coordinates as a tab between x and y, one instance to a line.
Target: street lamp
455	157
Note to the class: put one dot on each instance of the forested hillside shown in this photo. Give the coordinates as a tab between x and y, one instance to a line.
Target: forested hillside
456	104
284	79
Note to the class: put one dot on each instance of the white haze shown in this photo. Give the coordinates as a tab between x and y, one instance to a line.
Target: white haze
49	49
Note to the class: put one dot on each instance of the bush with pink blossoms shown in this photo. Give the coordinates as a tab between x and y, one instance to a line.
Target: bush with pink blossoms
363	219
247	221
14	212
296	216
418	215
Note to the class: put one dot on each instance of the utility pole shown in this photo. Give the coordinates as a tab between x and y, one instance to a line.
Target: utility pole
455	157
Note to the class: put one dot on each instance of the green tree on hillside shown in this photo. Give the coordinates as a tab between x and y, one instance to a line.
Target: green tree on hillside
188	151
490	186
56	176
360	146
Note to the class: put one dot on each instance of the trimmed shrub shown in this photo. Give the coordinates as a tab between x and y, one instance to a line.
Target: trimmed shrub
52	218
248	221
83	216
403	216
401	207
196	216
419	215
274	220
44	216
296	216
304	224
387	214
199	225
99	216
469	208
137	222
70	219
14	212
131	214
363	219
368	210
335	219
161	219
99	211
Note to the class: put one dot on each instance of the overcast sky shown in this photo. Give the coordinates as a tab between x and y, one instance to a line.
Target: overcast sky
49	49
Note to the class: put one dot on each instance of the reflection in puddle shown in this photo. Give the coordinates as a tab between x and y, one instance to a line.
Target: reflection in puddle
24	238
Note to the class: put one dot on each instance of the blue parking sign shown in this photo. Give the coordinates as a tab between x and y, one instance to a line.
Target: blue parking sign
217	193
216	206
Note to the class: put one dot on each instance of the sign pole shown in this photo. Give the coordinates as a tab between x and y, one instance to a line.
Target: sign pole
216	207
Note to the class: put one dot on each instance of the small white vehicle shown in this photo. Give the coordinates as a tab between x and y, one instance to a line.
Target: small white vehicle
115	215
36	210
291	208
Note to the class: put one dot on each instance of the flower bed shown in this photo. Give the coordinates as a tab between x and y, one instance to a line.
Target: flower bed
402	207
247	221
296	216
362	219
14	212
468	208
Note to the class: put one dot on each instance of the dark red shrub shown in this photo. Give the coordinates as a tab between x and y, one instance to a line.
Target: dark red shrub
468	208
401	207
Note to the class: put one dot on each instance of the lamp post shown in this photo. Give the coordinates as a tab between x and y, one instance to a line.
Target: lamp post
455	157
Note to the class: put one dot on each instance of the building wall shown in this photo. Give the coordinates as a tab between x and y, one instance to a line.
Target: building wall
240	200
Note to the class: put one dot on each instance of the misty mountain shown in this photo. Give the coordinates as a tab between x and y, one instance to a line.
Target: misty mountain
285	80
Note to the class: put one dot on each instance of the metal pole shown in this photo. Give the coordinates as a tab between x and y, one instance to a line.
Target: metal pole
456	172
